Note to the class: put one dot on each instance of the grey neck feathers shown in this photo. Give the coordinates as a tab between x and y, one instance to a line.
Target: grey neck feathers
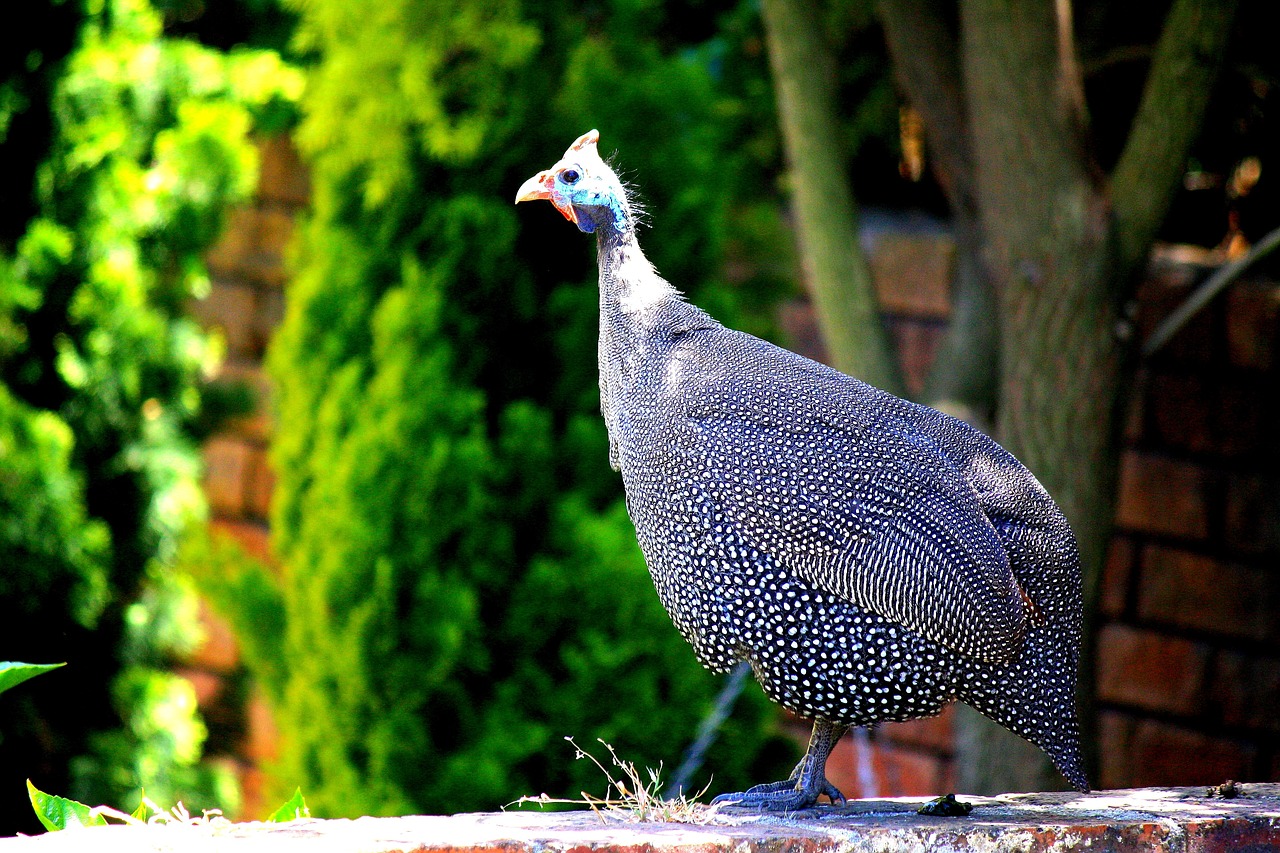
630	288
641	319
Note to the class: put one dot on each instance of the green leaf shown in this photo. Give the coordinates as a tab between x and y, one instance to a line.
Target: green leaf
60	813
292	810
13	673
141	811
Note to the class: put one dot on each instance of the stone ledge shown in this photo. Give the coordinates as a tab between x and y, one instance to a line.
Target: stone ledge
1142	819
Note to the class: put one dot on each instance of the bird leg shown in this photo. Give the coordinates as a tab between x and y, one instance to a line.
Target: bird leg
808	781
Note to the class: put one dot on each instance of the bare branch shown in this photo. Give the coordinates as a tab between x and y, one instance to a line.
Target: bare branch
1205	293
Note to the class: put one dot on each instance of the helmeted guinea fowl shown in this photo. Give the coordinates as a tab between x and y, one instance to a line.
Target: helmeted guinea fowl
872	559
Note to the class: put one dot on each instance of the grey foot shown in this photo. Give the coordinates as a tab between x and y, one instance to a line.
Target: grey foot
787	795
808	781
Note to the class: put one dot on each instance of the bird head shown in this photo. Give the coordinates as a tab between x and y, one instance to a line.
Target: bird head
582	187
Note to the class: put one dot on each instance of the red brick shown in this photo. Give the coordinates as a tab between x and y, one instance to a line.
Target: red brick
230	308
904	772
1149	670
1117	762
1159	495
897	771
251	250
254	803
1180	819
208	686
1178	408
252	536
282	176
261	486
231	254
1135	752
270	314
257	424
226	477
1167	285
219	652
1240	421
261	747
1134	411
1193	591
931	732
1252	515
275	233
1253	323
916	343
1245	691
1171	755
947	781
262	743
800	328
1116	573
912	273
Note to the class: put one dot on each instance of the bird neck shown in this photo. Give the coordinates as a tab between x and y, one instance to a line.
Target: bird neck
641	318
631	291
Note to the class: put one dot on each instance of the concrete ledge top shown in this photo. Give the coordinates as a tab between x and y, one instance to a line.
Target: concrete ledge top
1177	819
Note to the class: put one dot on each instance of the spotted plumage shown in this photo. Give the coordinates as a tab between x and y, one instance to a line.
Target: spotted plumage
872	559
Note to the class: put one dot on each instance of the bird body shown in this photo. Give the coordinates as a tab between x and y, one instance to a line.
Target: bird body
872	559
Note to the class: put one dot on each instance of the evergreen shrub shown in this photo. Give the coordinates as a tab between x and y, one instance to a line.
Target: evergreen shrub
460	586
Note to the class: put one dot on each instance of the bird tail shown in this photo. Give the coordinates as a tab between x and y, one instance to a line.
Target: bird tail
1034	697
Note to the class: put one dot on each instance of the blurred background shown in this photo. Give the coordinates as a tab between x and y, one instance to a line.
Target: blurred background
301	464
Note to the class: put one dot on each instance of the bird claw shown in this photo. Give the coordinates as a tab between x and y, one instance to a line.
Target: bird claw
786	795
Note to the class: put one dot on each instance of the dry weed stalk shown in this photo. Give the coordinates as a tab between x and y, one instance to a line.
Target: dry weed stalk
636	800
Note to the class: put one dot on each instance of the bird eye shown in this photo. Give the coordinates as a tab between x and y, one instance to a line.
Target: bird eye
570	176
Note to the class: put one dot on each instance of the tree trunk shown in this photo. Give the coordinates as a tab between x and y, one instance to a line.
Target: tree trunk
1046	221
963	380
1048	247
826	219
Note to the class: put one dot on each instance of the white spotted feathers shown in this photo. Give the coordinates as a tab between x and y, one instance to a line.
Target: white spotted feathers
872	559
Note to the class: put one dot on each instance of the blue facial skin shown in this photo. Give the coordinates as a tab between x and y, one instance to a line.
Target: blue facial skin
591	199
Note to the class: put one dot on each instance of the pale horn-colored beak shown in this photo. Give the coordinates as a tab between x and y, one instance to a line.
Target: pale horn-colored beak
539	186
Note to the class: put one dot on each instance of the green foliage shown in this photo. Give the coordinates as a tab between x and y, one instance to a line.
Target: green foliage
293	809
243	591
603	660
123	150
50	543
57	813
461	586
13	673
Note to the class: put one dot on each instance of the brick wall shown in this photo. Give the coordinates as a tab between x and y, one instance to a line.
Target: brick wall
245	304
1141	821
1189	647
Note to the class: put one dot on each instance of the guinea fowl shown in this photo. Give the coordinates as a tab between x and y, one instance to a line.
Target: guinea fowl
872	559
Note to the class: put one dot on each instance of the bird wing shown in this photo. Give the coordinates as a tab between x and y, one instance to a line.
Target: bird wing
842	488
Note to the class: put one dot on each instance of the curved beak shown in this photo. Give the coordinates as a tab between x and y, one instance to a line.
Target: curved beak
540	187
